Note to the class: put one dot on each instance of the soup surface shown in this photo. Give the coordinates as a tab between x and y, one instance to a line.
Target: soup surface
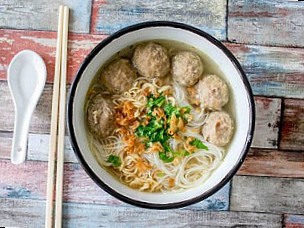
159	116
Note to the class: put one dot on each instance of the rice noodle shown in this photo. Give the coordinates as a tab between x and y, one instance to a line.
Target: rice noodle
146	171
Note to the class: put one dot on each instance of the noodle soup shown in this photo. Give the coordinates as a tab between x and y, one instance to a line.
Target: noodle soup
159	116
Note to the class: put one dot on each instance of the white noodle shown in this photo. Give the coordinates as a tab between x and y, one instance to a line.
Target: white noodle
187	172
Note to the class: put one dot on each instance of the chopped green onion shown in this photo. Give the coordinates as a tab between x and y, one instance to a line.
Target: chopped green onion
198	144
160	174
115	160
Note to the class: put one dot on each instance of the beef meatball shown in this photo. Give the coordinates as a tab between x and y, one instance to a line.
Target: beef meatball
213	92
219	128
187	68
151	60
118	76
100	116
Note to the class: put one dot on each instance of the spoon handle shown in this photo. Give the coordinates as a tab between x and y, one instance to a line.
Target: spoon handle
22	122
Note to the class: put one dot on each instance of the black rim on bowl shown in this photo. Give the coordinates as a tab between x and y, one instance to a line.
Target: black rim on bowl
74	143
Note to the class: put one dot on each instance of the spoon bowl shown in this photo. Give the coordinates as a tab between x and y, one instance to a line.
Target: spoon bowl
26	77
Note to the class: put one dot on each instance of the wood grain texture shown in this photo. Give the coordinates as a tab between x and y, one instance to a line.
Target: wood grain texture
264	194
268	113
110	16
44	43
42	15
38	147
40	121
272	71
28	181
273	163
266	22
31	213
293	221
292	135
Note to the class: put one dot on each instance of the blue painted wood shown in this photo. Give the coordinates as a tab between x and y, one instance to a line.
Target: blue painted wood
207	15
42	15
270	22
28	181
294	221
272	71
30	213
217	202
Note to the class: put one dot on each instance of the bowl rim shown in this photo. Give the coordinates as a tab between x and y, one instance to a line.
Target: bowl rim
83	162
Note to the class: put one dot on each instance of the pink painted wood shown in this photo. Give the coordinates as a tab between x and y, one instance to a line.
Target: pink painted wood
44	43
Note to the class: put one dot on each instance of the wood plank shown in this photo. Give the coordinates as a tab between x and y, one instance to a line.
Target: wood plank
274	163
268	113
272	71
28	181
292	135
41	118
264	194
38	147
44	43
6	140
42	15
266	22
31	214
293	221
110	16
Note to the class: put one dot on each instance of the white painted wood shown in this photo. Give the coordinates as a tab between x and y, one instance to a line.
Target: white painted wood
268	115
264	194
42	14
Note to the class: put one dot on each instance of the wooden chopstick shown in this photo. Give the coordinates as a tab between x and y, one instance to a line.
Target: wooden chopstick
62	106
58	105
54	128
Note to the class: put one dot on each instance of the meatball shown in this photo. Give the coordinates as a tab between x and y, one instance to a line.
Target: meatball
218	128
100	116
118	76
151	60
187	68
213	92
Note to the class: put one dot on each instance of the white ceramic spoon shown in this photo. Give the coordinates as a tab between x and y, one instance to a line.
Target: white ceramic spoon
26	77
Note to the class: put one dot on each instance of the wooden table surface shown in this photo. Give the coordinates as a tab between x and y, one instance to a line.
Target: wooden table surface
266	36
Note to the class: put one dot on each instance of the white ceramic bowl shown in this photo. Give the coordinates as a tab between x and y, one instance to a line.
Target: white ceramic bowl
242	99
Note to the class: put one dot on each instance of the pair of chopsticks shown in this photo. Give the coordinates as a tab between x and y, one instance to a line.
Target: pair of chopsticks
58	124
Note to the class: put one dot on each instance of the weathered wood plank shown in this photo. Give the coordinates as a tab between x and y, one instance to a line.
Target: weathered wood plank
6	139
263	194
272	71
292	135
111	16
42	15
44	43
38	147
41	118
266	22
293	221
30	213
268	113
274	163
29	181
